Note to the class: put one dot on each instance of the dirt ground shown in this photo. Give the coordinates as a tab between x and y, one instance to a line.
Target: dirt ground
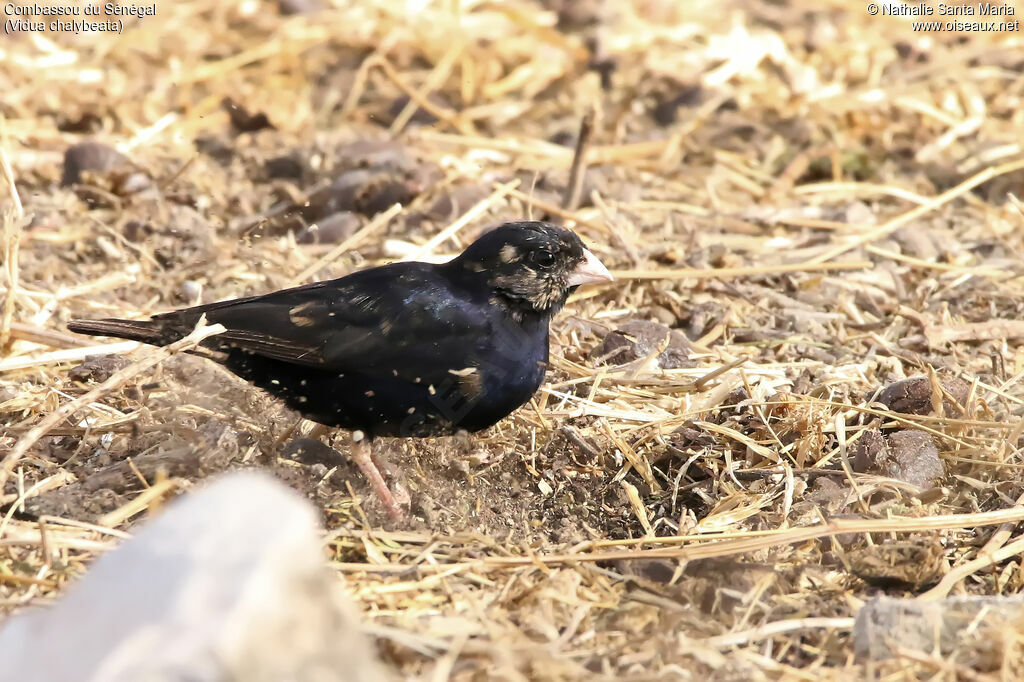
818	202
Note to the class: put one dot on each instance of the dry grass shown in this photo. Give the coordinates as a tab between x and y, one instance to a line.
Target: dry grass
822	200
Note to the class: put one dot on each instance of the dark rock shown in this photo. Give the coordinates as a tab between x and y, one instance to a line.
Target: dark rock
122	477
825	492
312	451
914	395
421	116
98	368
653	570
137	230
566	138
360	191
216	147
84	123
376	154
369	178
330	230
666	111
702	318
690	438
242	119
382	193
299	6
734	399
726	580
909	456
287	167
185	240
92	157
870	448
663	315
387	160
575	15
914	458
637	339
455	202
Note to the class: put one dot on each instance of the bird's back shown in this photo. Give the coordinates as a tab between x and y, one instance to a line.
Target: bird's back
407	349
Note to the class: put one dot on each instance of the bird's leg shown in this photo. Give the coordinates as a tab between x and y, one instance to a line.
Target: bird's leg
398	490
361	454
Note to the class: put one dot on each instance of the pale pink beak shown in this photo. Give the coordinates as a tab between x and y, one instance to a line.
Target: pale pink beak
590	271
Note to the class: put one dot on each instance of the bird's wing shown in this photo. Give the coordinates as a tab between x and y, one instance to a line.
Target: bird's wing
399	320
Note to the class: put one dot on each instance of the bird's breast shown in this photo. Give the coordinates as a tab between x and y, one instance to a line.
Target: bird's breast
505	372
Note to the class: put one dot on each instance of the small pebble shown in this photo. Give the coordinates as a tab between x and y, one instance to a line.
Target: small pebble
914	395
870	446
637	339
242	119
92	157
97	368
284	168
375	154
910	456
299	6
666	110
360	191
331	230
456	202
421	116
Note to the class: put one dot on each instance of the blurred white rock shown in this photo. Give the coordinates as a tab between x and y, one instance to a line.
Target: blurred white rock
229	583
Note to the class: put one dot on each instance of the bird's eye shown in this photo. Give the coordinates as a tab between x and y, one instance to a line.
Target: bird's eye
544	259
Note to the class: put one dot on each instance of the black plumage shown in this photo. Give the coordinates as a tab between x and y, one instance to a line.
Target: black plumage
406	349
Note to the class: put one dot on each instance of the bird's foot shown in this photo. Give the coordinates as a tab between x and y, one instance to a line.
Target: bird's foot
363	457
394	478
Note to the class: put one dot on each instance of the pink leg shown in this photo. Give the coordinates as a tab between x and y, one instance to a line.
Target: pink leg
397	489
364	460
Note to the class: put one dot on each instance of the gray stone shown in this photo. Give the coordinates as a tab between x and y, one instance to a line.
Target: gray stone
637	339
914	458
914	395
331	229
908	455
91	156
884	625
229	583
870	449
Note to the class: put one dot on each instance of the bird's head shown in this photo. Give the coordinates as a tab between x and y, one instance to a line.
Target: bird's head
532	264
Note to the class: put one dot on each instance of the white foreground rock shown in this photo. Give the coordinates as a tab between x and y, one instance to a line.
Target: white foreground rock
229	583
884	625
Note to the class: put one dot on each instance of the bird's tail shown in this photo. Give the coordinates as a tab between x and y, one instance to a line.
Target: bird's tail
156	333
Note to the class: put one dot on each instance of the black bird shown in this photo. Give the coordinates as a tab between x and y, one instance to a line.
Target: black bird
406	349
